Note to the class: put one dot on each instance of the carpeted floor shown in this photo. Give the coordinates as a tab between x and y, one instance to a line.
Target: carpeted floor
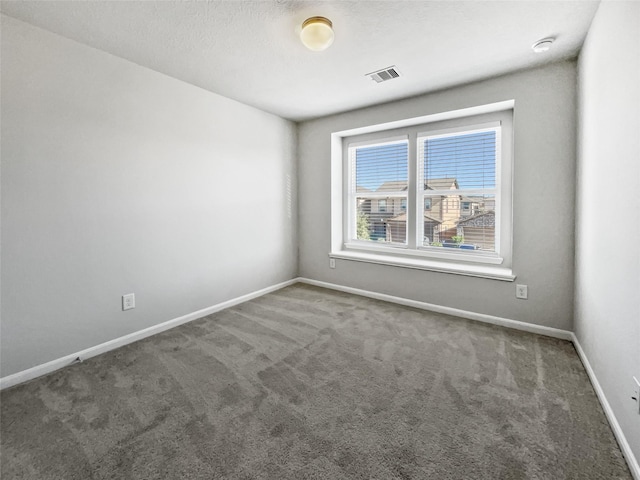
307	383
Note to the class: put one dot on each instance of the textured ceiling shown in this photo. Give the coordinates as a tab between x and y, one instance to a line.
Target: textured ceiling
250	50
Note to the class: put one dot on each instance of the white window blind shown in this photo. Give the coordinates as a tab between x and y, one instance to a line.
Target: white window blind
457	178
470	158
379	183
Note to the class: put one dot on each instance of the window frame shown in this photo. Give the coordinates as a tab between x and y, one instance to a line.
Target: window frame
497	125
413	254
350	224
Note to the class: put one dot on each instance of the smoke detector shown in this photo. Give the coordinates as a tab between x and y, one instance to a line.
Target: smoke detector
543	45
383	75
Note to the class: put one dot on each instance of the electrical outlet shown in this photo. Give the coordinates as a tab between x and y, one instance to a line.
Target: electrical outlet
128	301
332	263
522	292
636	393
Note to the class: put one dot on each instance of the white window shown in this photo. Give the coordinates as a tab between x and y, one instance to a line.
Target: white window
378	173
434	170
460	162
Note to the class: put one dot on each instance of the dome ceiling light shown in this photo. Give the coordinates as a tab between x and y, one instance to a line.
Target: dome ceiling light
317	33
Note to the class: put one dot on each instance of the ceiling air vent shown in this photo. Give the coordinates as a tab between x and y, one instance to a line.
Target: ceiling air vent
385	74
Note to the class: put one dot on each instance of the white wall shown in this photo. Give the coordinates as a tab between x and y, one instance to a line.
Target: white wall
118	179
544	178
607	308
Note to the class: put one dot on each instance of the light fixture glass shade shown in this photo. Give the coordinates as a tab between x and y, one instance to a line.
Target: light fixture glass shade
317	33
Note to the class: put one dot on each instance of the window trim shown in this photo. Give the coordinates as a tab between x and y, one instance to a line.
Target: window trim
479	265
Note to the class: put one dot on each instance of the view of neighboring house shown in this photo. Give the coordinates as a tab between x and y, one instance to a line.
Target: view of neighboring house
479	230
471	218
446	209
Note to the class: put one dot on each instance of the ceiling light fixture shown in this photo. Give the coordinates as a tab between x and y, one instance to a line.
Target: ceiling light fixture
317	33
542	45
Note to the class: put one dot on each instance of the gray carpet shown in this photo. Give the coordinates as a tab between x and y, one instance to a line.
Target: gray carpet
307	383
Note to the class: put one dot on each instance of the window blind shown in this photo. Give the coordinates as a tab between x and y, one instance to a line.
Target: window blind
382	168
458	177
469	158
380	179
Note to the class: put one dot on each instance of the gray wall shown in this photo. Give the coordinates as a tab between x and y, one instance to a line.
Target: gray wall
544	179
607	312
117	179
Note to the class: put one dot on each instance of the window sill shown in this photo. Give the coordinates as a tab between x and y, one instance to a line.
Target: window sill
482	271
437	254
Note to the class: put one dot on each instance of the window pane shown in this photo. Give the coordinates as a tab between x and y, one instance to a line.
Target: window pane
381	220
465	222
460	161
382	168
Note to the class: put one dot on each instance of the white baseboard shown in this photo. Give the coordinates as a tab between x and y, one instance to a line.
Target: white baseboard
504	322
632	461
52	366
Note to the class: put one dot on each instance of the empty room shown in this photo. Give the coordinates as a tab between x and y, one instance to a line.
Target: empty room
294	239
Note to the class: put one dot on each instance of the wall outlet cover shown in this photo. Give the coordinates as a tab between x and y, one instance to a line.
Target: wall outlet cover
128	301
522	292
